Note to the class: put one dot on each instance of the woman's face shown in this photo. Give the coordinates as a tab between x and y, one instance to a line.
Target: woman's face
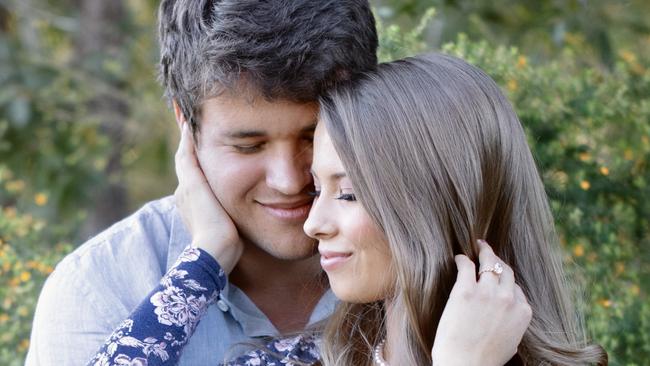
354	252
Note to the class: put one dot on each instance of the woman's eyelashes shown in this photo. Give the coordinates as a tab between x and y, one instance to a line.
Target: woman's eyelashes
347	197
350	197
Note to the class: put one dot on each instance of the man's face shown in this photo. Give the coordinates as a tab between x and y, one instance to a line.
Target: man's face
256	157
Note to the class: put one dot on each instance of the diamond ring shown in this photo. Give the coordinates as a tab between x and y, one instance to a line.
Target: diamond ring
497	269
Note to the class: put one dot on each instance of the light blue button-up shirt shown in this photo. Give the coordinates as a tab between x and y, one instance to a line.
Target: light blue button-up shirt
93	289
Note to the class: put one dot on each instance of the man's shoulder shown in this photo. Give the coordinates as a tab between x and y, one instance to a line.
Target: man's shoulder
141	241
153	219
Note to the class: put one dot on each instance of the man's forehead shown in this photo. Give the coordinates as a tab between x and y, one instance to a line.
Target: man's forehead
234	116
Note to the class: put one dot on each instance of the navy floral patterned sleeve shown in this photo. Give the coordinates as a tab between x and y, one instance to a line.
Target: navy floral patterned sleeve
158	329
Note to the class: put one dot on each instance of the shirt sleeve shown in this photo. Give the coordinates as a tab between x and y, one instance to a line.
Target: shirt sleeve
158	329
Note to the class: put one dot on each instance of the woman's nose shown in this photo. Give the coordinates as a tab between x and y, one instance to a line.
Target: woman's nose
320	222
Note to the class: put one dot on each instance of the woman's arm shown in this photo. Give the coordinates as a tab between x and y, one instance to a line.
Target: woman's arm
158	329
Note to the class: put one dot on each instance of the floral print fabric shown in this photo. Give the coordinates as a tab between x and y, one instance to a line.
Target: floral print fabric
158	329
294	351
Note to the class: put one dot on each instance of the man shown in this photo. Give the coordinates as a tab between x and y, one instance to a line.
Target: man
246	76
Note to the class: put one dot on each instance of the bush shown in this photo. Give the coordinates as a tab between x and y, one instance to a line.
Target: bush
26	259
589	129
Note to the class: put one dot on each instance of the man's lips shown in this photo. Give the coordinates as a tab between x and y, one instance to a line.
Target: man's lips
331	260
296	210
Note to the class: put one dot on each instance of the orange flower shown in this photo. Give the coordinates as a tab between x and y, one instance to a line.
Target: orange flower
579	250
606	303
24	345
604	170
521	62
585	185
40	199
25	276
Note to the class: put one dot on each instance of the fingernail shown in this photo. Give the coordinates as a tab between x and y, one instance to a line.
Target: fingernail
481	241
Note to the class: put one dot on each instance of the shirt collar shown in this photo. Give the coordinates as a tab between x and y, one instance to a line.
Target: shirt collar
253	322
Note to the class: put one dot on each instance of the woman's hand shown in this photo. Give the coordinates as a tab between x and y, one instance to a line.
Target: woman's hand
211	228
483	322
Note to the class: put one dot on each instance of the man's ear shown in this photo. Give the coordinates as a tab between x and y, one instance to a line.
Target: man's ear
180	118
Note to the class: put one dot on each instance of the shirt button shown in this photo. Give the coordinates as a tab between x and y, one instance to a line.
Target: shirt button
222	305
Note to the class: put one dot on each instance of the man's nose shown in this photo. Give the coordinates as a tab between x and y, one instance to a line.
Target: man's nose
288	172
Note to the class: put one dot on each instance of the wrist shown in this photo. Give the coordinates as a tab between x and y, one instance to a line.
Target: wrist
225	254
456	359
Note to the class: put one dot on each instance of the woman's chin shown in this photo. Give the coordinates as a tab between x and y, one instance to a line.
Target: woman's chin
355	293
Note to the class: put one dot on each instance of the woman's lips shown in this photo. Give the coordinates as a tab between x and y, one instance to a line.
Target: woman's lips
288	211
331	260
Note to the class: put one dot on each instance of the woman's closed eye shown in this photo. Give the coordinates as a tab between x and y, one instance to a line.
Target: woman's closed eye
350	197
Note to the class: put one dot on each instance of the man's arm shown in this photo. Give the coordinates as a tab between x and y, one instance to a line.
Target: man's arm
69	323
94	288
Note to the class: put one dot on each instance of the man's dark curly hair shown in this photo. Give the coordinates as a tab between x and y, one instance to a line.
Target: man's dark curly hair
279	49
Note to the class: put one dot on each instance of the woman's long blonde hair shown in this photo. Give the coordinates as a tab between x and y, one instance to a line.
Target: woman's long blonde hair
439	159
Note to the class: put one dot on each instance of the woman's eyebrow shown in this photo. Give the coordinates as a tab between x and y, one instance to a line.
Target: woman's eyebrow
335	176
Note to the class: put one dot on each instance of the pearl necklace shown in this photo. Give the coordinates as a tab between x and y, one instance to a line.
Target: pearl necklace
378	354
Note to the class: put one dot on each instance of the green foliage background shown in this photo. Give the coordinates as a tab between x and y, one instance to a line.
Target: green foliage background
578	76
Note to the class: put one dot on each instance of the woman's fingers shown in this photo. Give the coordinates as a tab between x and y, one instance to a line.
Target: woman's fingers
466	271
186	163
487	259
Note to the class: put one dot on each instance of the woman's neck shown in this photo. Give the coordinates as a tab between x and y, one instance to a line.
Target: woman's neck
392	337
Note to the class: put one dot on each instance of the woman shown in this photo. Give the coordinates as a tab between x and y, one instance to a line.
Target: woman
437	160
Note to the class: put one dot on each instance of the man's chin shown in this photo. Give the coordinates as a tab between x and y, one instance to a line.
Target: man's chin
294	252
286	247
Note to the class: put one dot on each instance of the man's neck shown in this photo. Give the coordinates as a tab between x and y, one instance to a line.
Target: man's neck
286	291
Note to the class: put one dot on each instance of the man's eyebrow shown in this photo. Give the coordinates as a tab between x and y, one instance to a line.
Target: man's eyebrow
242	134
